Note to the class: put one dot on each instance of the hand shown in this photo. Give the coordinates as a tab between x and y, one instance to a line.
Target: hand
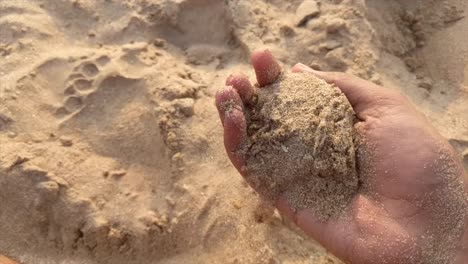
412	204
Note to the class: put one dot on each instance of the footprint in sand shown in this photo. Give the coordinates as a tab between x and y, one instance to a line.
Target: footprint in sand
79	84
113	111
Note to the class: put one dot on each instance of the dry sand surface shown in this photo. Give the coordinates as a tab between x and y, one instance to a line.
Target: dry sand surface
110	145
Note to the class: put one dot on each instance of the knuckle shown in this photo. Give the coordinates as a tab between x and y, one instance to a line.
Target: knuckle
394	97
340	77
394	94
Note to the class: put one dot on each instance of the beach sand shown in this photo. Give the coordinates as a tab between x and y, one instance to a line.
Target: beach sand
110	145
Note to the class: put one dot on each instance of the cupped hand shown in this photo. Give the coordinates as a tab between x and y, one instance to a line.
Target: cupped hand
411	206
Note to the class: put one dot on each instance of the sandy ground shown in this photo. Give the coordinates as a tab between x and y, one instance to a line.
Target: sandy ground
110	145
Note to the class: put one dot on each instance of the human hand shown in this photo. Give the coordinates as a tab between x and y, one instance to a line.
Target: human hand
411	206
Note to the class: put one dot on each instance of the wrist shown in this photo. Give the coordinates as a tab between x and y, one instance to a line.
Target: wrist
462	257
462	253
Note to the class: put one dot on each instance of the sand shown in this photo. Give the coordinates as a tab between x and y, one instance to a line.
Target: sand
302	143
110	145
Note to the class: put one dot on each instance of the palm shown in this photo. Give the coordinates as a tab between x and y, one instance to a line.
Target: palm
402	195
411	203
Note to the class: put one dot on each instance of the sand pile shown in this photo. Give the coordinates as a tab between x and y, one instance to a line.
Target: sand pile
302	143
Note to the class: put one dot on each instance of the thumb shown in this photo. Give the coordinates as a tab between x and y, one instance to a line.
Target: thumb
333	234
346	234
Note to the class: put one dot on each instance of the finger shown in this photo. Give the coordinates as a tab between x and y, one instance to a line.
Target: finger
235	135
224	99
231	112
241	83
266	67
363	95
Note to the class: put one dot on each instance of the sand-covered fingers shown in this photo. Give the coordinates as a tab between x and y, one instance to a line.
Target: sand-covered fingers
231	112
239	92
241	83
225	100
266	67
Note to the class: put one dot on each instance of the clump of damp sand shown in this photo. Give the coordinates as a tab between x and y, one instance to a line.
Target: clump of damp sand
302	142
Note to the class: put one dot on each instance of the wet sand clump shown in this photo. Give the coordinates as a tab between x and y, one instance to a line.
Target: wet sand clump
302	143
